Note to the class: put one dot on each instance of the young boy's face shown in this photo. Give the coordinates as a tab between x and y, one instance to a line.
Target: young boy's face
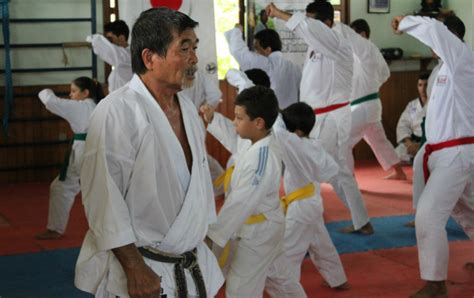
244	126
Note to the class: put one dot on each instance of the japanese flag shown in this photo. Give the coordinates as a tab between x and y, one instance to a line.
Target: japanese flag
201	11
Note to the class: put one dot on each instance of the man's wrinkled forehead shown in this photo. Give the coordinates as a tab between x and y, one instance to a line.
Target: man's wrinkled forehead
186	37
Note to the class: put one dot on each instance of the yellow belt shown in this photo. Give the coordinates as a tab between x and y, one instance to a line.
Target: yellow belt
224	179
251	220
297	195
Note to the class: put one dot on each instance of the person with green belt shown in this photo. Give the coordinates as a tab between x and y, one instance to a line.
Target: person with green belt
84	95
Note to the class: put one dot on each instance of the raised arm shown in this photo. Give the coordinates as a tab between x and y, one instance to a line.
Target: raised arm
434	34
66	108
240	51
315	33
224	131
107	51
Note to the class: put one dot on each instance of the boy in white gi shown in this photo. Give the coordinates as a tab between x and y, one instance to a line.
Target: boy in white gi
370	72
285	76
146	185
326	87
85	94
409	127
114	50
304	224
251	213
448	162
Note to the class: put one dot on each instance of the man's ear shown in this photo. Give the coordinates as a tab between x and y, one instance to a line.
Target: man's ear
147	58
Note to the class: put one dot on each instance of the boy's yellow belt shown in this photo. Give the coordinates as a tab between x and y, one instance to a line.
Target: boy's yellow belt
297	195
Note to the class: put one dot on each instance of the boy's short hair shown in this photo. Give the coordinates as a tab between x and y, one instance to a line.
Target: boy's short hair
322	9
118	28
259	101
424	75
300	116
269	38
259	77
456	26
361	25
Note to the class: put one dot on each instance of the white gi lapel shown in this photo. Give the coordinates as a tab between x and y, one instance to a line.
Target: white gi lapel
189	227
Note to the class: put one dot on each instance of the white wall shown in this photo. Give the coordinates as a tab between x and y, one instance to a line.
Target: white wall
50	33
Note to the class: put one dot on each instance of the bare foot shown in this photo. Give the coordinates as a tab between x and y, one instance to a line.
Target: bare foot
410	224
398	173
367	229
341	287
469	266
432	289
49	235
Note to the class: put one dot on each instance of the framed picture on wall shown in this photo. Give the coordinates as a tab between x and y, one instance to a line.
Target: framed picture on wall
378	6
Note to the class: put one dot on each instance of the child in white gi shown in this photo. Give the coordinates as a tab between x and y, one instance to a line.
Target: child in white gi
113	48
285	76
304	225
251	213
448	163
85	94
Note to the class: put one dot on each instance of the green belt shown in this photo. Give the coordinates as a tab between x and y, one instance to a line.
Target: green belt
372	96
423	132
65	165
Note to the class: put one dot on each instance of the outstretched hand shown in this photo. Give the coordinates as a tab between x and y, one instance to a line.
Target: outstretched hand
207	112
395	23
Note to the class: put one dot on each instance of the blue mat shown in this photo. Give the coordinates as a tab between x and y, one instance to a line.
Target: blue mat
44	274
389	233
51	273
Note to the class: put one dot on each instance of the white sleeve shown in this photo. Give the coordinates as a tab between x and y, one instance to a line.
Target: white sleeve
212	92
305	159
247	189
107	51
241	53
404	125
66	108
224	131
320	37
238	79
435	35
105	175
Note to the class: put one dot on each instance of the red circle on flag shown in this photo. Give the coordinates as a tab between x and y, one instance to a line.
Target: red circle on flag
173	4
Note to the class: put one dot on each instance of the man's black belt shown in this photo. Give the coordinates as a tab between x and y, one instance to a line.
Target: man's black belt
187	260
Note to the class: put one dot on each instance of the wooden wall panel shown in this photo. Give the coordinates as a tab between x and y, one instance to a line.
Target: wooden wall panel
37	139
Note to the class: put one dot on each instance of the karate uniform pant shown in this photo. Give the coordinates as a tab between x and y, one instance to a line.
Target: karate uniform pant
332	129
61	198
418	176
449	191
373	133
302	236
252	265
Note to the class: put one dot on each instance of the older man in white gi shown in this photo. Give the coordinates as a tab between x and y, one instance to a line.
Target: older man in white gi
449	151
285	76
326	87
146	185
114	50
370	72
